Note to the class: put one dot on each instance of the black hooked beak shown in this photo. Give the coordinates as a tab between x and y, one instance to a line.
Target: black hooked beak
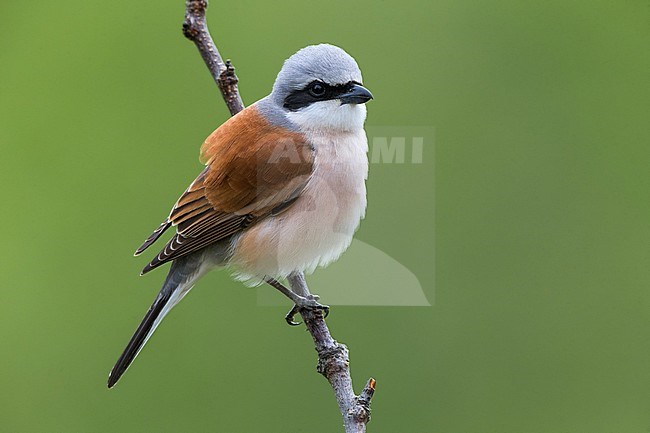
356	94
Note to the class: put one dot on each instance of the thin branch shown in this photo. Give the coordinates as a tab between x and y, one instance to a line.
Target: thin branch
195	29
333	357
334	364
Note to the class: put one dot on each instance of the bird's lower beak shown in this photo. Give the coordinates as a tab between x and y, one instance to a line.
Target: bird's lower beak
356	95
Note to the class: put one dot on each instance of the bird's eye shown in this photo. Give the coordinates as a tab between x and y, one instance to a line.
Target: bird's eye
317	90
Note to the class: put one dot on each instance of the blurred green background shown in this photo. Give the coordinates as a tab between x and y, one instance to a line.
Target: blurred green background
539	282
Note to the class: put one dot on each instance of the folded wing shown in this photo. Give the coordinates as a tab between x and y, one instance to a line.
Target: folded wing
253	170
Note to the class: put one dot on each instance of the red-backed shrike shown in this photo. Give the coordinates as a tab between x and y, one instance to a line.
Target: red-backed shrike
283	190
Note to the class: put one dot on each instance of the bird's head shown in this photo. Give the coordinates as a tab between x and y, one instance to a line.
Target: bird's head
319	87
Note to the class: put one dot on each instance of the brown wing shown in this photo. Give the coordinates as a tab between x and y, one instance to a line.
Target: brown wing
254	169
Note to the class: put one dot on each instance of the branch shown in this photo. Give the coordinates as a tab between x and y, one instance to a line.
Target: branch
334	364
196	30
333	359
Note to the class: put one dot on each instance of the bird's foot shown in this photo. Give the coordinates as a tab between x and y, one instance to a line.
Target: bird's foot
306	303
309	302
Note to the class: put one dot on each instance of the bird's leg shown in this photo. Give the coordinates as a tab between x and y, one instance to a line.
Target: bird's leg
304	300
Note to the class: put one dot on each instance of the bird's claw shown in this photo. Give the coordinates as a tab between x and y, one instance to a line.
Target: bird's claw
310	303
290	315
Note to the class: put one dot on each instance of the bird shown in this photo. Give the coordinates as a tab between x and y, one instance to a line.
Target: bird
283	190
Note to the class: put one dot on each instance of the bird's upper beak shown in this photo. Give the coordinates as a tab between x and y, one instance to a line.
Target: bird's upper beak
356	95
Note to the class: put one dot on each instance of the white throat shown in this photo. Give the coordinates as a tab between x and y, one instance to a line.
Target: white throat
329	115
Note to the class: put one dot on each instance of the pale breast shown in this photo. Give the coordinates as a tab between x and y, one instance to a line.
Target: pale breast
319	226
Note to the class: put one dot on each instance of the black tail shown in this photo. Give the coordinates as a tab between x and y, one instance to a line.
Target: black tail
144	331
182	275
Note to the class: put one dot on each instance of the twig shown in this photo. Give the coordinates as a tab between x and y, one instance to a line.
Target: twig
196	30
334	364
333	359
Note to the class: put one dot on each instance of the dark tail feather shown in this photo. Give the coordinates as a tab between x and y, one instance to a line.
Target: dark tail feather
154	237
140	337
180	279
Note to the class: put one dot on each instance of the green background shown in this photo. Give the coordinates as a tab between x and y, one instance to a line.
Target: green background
540	231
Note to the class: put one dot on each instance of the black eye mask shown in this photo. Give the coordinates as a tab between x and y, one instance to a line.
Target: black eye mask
314	92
